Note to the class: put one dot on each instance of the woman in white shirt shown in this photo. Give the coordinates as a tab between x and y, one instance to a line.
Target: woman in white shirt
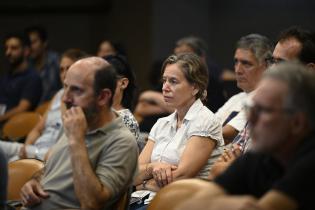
186	143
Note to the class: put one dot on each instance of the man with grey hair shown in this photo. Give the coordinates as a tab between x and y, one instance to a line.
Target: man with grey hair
250	61
279	174
94	162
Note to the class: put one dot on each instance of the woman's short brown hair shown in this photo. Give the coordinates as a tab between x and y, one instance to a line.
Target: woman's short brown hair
194	69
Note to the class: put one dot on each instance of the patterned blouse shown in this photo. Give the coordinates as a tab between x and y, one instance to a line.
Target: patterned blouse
132	124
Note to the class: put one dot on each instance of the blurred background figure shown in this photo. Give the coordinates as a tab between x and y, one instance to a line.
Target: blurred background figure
44	60
108	47
48	130
20	84
215	97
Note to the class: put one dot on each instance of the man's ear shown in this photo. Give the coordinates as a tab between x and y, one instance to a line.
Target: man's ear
104	97
299	123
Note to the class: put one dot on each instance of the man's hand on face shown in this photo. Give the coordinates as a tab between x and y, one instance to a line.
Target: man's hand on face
75	124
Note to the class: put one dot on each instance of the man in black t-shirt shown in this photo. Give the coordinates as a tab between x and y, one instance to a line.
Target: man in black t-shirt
279	173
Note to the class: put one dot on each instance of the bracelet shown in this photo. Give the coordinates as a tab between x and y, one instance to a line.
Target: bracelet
144	183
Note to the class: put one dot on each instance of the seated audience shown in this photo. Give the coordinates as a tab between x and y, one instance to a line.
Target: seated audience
3	179
95	160
251	55
294	44
49	129
47	132
44	60
281	167
124	94
21	86
186	143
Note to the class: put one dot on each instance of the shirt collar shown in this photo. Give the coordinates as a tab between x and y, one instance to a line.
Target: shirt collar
252	93
194	108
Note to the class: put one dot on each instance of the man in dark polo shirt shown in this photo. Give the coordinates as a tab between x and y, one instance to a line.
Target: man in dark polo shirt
94	162
279	173
20	86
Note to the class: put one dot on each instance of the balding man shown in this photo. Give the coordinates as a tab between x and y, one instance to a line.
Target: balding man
95	160
295	43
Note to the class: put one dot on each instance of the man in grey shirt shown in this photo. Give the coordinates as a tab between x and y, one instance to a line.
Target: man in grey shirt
94	162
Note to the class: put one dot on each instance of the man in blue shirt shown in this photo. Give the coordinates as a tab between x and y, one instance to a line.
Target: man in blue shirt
45	61
21	86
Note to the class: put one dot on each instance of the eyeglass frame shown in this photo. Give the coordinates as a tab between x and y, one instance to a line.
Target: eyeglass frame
251	107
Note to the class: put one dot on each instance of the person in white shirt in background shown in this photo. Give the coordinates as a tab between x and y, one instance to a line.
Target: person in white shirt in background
251	58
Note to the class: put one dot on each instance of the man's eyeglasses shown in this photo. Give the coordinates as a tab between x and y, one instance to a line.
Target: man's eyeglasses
252	108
